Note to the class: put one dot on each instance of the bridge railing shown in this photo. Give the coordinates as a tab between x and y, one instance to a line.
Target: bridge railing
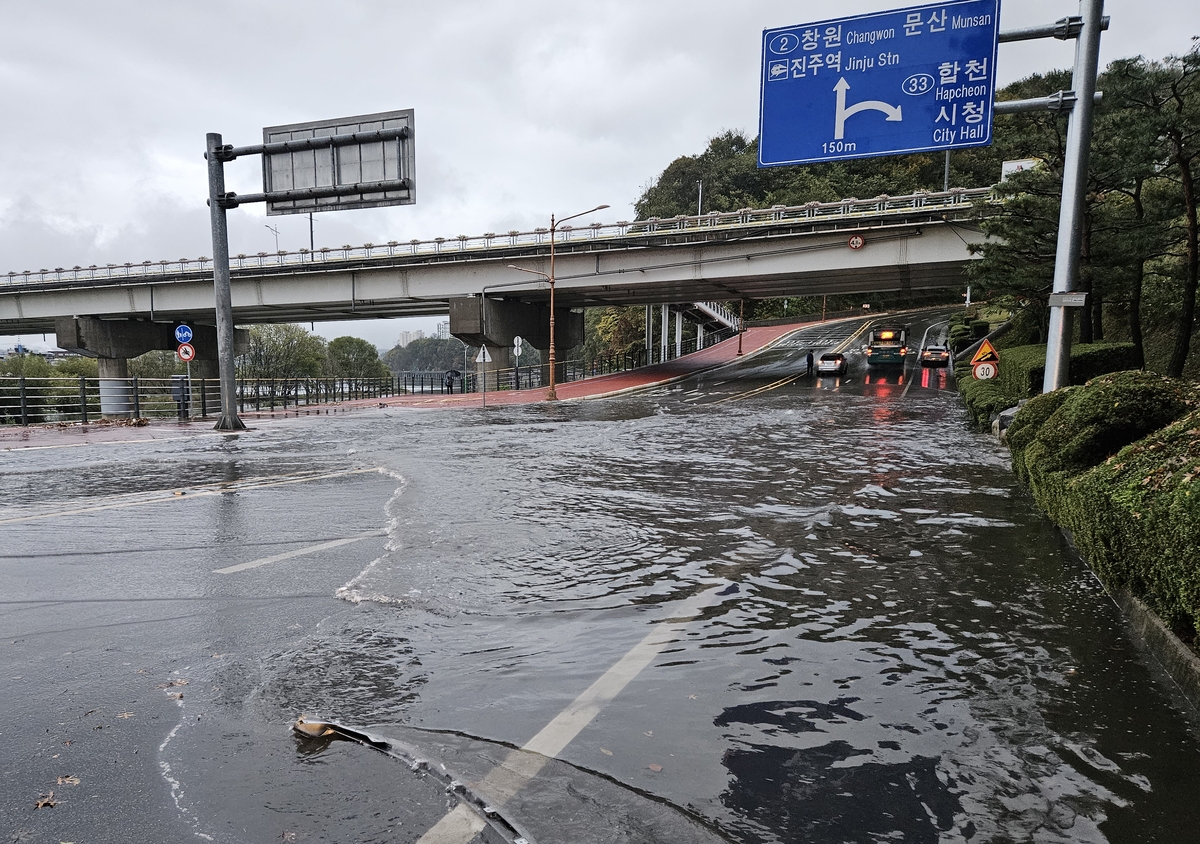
956	199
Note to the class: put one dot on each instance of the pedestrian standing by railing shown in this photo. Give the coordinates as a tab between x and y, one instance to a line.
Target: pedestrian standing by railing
809	361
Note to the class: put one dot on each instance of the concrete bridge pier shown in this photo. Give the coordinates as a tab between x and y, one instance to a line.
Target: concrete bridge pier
114	341
116	390
496	323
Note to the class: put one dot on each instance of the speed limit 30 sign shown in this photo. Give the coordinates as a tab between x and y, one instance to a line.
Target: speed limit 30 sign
984	371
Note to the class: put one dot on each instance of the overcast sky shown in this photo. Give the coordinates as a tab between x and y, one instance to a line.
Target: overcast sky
522	108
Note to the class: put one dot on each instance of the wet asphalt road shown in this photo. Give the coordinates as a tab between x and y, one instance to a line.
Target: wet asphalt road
753	606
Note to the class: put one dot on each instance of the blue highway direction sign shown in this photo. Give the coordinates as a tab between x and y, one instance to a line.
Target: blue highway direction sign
908	80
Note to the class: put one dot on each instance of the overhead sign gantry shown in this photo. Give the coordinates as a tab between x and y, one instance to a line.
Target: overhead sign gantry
325	165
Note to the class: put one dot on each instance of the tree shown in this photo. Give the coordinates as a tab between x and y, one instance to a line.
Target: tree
27	365
353	357
611	332
1166	95
282	351
732	180
158	364
428	354
76	367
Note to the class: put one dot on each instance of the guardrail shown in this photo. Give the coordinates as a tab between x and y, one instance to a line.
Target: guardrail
956	199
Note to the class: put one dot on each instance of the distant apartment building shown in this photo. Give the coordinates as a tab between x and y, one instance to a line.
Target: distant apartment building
443	330
407	337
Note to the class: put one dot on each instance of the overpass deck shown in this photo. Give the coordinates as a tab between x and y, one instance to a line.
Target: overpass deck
911	242
955	204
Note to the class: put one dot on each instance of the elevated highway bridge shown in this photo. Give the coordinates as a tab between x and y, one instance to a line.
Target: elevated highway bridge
904	243
909	243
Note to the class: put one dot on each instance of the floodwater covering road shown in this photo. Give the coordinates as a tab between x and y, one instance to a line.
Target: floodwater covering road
753	606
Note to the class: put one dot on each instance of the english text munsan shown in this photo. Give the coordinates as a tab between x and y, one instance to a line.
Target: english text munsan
968	21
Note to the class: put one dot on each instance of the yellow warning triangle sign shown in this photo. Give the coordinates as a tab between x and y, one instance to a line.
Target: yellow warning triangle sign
987	354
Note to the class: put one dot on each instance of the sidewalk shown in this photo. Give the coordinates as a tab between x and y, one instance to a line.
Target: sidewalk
60	435
753	340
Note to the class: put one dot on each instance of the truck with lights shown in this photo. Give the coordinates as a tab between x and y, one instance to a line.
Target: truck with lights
887	345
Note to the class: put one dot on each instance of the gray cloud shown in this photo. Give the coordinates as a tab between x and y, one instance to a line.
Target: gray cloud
522	108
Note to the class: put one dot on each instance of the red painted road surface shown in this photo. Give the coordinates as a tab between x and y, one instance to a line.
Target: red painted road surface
59	435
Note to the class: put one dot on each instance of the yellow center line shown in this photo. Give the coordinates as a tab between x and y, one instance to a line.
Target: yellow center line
782	382
184	493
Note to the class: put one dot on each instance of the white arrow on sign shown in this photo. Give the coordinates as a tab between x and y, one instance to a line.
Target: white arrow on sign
843	113
483	356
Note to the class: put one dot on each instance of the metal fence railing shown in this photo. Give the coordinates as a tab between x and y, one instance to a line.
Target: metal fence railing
281	393
28	400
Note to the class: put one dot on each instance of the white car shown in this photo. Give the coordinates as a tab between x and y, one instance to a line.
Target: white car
831	364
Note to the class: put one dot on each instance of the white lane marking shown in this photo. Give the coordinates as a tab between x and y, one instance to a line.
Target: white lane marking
522	765
299	552
923	337
189	493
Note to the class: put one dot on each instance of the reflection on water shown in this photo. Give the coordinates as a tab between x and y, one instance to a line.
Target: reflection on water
893	645
902	649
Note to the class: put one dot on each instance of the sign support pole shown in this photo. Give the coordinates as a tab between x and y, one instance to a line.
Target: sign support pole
1075	170
228	420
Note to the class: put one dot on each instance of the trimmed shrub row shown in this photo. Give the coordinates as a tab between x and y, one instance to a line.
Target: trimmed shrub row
1116	462
1022	370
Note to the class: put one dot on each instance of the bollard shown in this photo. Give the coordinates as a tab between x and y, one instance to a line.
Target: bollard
137	400
83	400
24	403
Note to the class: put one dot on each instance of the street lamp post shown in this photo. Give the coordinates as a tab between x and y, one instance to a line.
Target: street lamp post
551	395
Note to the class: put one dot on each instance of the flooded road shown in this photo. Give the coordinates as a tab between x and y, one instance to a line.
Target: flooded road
754	606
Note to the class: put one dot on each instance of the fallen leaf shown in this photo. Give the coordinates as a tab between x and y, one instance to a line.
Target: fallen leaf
691	697
178	682
68	780
46	801
606	751
648	733
654	766
124	714
68	742
176	696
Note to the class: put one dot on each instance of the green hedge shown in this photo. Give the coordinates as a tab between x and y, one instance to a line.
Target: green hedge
1022	370
1116	462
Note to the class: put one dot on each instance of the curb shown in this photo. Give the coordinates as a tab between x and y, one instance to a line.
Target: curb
1177	659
